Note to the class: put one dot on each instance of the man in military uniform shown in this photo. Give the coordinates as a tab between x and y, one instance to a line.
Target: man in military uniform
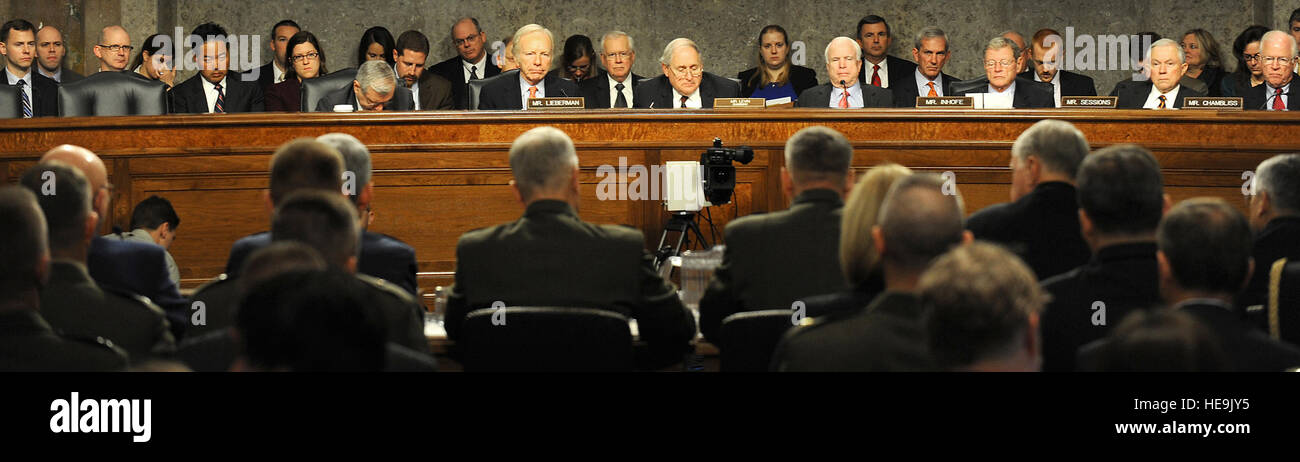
27	342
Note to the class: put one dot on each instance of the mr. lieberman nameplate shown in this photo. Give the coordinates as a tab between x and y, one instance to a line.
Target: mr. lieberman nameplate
559	103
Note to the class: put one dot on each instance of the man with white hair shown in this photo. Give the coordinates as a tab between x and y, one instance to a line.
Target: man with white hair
534	48
1274	215
684	84
1002	58
1277	55
616	90
844	91
1167	63
374	89
572	263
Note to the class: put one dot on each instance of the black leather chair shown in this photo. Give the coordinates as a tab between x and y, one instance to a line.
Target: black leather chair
220	298
748	339
545	339
315	89
476	87
1283	312
112	94
10	102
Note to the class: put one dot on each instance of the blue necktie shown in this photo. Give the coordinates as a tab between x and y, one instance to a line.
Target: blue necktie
27	103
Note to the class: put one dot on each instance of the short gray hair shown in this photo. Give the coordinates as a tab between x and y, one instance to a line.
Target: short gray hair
1182	56
1279	176
376	76
827	53
514	41
999	42
631	45
919	221
1057	143
1295	50
929	33
356	158
818	153
542	159
67	208
672	47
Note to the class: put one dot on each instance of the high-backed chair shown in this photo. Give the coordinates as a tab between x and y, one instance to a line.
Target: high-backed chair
537	339
315	89
748	339
10	102
476	87
112	94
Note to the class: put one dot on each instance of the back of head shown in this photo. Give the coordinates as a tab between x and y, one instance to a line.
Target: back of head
1121	190
818	154
981	299
310	321
858	257
356	162
322	220
153	212
1208	245
1056	143
305	163
22	229
280	258
1160	341
64	196
1279	176
919	222
542	161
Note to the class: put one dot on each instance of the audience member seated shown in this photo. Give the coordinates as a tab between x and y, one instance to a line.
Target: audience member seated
1275	221
775	259
50	50
376	45
27	342
533	48
1249	73
578	61
1158	341
40	94
210	92
918	222
277	70
879	68
572	263
154	221
1121	199
931	52
775	77
114	49
1204	60
617	88
429	91
470	62
843	60
156	62
982	307
1167	65
684	84
306	61
1277	57
71	301
859	260
1041	223
1001	59
1045	66
374	89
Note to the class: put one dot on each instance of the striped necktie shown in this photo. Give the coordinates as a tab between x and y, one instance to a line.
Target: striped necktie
27	102
1162	102
220	107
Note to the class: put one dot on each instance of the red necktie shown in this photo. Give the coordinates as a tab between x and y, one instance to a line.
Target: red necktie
844	100
932	93
532	92
1278	104
875	74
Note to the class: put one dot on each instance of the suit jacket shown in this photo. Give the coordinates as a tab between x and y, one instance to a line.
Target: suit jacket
886	336
265	76
1072	84
454	71
1029	94
45	95
1246	348
775	259
1279	239
504	93
140	269
1042	228
801	79
435	92
571	263
382	256
1122	277
28	343
401	101
657	93
1257	97
852	300
285	96
1132	94
239	96
820	96
73	303
899	70
905	92
217	352
1213	79
596	92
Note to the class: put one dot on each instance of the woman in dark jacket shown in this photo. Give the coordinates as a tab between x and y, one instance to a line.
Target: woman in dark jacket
306	61
1204	61
779	78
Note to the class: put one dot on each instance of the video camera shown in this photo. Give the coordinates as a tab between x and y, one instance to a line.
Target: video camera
719	176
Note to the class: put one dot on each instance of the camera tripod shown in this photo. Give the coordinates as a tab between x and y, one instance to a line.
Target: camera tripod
684	224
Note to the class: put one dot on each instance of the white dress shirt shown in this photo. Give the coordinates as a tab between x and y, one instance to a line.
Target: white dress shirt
1153	99
480	67
868	68
415	89
627	89
855	96
694	101
922	87
1269	91
279	74
1056	86
523	90
27	87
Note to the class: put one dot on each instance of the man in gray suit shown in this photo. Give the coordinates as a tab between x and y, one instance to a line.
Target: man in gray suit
775	259
843	63
374	89
570	263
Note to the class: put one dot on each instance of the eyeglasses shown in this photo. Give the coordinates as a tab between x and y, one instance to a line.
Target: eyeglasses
619	54
683	71
299	58
460	42
1254	57
991	63
1283	60
117	48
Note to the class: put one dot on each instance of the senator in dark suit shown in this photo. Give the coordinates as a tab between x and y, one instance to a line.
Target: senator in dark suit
1167	80
906	90
573	263
1261	97
372	76
470	63
842	62
657	93
1027	93
820	96
1133	94
505	93
44	93
933	53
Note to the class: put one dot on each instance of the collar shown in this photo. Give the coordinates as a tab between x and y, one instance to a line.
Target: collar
549	207
1055	187
13	80
1129	251
1271	89
1039	78
855	89
65	271
523	86
627	81
1203	302
210	86
921	79
867	64
677	96
1279	223
818	195
903	304
1173	92
1010	89
57	75
483	59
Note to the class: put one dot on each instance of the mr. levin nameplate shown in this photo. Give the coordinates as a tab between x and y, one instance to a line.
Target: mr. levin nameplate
1089	102
1227	103
945	102
556	104
739	103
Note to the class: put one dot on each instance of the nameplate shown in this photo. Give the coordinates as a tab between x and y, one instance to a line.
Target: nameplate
1229	103
1089	102
946	102
739	103
556	104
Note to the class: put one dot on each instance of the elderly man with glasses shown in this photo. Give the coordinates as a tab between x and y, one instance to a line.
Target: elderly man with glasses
684	84
1001	63
1277	56
1167	63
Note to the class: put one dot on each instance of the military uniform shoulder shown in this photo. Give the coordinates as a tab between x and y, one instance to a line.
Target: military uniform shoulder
96	352
383	286
128	298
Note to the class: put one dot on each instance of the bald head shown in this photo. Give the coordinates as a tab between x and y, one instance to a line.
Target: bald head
919	222
111	59
89	165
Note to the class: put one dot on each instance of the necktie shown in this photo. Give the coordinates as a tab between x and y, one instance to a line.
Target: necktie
932	93
875	75
622	100
27	103
684	102
1278	104
844	100
473	72
220	107
1162	102
532	92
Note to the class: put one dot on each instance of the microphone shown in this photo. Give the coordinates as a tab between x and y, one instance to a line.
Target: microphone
844	84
